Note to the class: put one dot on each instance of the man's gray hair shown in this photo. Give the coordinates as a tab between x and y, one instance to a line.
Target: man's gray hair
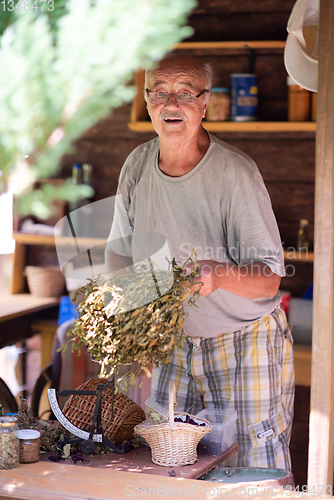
206	67
208	71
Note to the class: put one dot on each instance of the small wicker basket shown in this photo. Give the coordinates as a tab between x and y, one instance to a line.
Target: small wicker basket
79	410
45	281
173	443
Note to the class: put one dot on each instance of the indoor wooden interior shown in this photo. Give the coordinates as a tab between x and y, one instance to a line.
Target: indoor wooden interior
296	162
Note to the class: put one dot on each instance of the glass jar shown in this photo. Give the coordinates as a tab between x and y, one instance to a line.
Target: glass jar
298	102
29	445
9	443
219	105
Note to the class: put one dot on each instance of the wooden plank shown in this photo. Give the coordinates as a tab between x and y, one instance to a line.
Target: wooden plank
300	256
247	6
239	26
15	306
239	126
302	357
41	239
47	330
52	481
321	447
138	110
17	284
292	201
139	460
33	239
268	44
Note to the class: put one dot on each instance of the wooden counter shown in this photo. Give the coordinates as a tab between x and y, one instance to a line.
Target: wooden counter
15	306
52	481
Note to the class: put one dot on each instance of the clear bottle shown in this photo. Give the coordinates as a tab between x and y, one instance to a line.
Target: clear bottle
87	173
9	443
303	243
76	173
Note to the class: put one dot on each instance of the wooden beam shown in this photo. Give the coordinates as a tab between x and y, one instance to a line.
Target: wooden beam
321	443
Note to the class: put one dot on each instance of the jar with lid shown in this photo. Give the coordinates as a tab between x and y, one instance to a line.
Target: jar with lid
219	105
9	443
299	102
29	444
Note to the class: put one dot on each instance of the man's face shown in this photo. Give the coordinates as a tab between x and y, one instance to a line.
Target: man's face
172	121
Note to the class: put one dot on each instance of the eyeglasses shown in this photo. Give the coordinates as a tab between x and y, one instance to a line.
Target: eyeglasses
180	97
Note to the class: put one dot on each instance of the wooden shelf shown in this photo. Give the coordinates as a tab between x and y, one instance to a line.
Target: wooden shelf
139	122
39	239
42	239
296	255
302	355
146	126
252	44
33	239
25	239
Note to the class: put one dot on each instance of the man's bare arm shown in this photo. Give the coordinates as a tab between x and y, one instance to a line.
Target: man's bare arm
115	262
251	281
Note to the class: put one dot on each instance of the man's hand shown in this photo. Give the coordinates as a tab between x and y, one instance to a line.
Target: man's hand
251	281
116	262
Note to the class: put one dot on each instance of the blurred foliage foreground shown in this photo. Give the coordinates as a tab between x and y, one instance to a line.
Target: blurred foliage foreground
62	73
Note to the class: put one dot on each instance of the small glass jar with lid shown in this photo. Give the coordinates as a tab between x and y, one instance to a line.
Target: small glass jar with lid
29	443
219	105
9	443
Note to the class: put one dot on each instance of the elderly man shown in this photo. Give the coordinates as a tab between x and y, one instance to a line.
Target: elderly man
204	194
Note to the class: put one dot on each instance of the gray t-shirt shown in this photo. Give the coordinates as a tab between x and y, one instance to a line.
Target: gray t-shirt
221	209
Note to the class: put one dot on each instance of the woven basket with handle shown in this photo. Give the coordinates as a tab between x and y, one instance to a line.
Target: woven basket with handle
173	443
79	410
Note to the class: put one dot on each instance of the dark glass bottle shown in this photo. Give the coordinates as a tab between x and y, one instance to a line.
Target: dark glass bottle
303	242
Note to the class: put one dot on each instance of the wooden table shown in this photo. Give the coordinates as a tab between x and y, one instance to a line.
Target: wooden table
111	476
18	311
138	460
53	481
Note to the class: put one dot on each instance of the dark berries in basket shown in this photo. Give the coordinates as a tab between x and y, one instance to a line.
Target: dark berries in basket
188	420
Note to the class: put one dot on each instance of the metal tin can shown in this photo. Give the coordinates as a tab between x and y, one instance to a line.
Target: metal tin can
219	105
244	97
9	443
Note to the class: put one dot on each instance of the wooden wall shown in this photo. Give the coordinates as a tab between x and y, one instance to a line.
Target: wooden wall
286	160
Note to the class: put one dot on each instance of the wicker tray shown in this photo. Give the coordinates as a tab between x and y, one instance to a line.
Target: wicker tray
45	281
173	443
127	414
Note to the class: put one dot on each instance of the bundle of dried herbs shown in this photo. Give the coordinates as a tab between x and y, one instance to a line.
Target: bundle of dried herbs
25	418
134	317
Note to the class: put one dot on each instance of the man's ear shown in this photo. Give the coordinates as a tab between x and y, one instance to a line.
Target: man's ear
206	104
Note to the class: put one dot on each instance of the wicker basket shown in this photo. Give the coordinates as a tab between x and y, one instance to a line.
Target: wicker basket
127	414
45	281
173	443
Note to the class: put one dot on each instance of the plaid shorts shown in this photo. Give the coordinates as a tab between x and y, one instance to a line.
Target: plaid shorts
250	370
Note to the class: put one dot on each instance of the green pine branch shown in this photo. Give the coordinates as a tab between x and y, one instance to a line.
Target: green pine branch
59	78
